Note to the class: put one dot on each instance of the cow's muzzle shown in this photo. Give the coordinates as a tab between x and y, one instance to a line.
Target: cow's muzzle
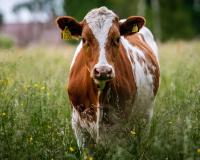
103	73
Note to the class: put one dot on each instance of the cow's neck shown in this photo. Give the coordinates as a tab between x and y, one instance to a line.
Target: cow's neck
106	95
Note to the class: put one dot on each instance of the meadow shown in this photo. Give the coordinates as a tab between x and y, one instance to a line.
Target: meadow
35	111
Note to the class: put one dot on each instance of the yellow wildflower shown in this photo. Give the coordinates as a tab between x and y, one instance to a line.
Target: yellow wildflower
170	122
35	85
48	93
26	87
90	158
133	132
198	150
3	114
49	126
71	149
42	88
30	139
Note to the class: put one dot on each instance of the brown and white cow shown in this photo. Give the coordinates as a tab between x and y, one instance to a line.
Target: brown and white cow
114	75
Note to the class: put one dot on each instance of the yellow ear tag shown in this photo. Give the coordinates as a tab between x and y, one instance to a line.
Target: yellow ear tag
66	34
135	28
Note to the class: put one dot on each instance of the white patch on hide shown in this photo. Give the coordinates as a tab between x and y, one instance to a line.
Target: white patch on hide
81	127
143	77
77	129
122	20
98	119
149	39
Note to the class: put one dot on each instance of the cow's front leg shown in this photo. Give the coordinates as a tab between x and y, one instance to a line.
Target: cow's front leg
79	132
83	137
84	140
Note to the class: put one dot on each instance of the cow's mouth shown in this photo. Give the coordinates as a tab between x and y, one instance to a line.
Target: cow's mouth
103	77
100	84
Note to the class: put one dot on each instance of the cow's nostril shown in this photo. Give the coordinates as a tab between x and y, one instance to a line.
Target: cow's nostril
97	72
103	73
109	71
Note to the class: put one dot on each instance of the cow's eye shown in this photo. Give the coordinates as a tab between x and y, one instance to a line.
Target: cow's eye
117	40
85	42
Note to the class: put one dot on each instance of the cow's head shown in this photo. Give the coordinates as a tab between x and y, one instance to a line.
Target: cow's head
101	31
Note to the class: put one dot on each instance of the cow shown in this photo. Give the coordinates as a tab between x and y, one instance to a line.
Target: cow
114	74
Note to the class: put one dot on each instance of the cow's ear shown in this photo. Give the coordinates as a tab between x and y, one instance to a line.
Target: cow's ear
69	27
131	25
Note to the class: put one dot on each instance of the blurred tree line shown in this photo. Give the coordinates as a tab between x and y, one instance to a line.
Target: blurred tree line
48	6
168	19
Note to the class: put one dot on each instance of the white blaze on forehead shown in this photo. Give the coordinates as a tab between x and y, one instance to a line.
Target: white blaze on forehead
100	21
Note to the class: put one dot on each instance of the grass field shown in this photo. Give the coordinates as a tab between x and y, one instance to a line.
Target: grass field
35	112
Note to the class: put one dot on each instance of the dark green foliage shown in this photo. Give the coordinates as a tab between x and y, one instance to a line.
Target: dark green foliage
177	20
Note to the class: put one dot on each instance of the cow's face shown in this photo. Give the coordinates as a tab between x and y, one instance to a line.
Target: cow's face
100	31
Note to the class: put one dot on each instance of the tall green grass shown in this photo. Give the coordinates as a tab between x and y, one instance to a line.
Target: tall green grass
6	42
35	111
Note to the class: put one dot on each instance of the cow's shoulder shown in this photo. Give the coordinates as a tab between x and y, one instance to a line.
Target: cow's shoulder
80	86
144	63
